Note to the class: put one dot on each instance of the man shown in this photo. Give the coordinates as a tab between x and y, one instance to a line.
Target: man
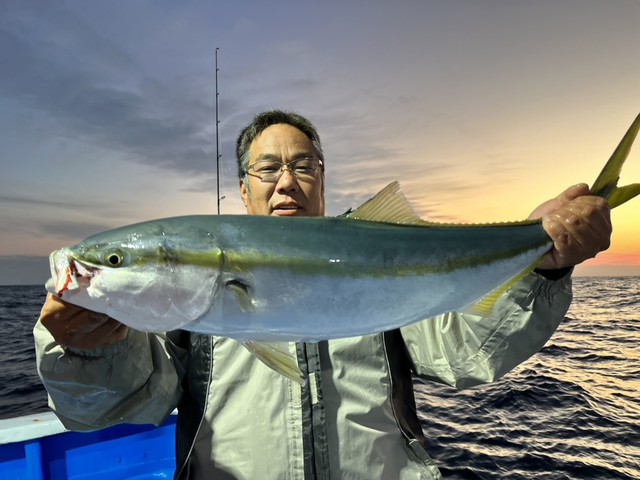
354	416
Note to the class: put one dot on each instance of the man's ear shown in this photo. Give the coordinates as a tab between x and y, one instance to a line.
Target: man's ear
243	191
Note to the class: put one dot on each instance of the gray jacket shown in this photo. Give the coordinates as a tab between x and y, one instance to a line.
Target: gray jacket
354	417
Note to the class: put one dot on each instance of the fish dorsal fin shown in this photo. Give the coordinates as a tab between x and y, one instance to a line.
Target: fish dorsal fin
388	206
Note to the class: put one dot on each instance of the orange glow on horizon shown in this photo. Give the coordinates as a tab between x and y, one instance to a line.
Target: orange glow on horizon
614	258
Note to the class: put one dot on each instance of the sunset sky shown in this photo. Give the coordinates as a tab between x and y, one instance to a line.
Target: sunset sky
481	109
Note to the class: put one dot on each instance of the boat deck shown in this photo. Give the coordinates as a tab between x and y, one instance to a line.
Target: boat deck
38	447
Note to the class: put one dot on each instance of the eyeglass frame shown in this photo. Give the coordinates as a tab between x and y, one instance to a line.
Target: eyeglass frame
282	168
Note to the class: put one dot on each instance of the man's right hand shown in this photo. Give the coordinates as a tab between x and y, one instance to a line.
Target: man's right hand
77	327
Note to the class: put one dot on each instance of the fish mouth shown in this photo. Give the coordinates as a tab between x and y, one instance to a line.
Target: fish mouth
68	273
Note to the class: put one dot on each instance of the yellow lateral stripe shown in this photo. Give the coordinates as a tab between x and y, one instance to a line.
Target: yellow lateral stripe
248	261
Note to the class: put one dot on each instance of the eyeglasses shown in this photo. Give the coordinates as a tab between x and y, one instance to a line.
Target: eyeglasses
271	171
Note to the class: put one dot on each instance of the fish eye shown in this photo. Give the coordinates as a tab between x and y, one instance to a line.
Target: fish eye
114	258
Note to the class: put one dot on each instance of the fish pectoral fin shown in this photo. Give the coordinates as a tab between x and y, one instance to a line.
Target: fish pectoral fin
276	356
241	293
388	206
486	305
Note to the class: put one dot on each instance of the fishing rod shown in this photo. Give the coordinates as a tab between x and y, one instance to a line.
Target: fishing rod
217	141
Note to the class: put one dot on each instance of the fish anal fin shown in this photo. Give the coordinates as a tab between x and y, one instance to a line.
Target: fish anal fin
388	206
276	356
486	305
241	293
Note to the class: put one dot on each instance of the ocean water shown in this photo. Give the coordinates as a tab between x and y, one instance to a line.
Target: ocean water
21	392
572	411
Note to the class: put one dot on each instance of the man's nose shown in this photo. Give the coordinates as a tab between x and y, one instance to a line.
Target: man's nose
287	181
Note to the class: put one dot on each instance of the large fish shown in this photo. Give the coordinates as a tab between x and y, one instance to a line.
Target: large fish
262	279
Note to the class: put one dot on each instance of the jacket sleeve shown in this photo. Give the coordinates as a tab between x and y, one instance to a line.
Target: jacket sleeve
463	350
136	380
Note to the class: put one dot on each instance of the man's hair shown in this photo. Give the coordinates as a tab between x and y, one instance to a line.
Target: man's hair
264	120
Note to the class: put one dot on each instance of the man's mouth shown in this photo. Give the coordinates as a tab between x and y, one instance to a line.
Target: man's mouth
286	209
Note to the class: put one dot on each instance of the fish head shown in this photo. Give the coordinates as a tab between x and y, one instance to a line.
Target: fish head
151	279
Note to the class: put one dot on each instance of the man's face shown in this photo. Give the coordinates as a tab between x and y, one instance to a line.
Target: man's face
288	196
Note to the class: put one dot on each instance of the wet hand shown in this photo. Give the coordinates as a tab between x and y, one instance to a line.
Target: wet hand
77	327
579	225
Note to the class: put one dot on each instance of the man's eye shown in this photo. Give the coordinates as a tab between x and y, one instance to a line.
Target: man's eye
304	166
267	168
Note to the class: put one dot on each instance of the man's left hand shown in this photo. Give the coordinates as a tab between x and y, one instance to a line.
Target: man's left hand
579	225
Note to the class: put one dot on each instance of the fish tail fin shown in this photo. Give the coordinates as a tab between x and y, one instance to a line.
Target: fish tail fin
276	356
606	185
